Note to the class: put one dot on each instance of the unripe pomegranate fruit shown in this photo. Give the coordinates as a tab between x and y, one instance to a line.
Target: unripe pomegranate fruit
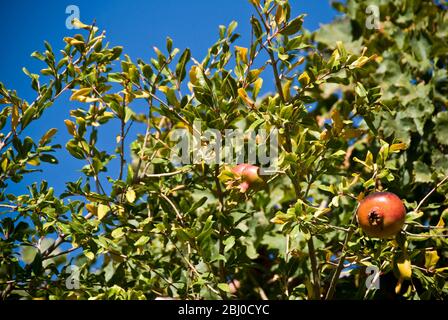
381	214
247	175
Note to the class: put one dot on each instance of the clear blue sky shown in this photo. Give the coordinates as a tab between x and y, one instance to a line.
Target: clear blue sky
137	25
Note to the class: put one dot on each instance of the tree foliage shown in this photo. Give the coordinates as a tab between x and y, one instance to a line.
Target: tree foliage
358	110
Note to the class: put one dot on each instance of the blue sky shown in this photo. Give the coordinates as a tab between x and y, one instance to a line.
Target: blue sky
137	26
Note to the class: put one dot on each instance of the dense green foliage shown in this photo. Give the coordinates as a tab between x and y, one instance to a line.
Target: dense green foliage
357	110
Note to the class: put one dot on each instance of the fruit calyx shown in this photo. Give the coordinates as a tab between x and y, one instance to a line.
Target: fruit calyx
375	218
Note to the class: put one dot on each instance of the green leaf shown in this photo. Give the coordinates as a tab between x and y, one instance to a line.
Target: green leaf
293	26
142	241
224	287
169	44
422	172
147	71
413	215
74	149
181	65
441	127
197	204
206	229
117	233
232	27
49	158
229	243
28	254
38	55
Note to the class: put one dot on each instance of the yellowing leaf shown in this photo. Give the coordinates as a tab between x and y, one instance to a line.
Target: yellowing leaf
279	15
352	133
130	195
91	208
369	159
34	162
341	48
253	74
102	211
164	89
361	61
79	25
405	268
241	53
88	99
15	117
257	86
193	74
397	147
117	233
71	127
321	212
4	164
243	95
398	286
338	125
73	41
304	79
48	135
281	218
324	135
120	211
142	95
441	222
431	259
89	255
286	89
360	196
80	94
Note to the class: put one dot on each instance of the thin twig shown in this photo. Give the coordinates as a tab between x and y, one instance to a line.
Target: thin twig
178	214
164	174
61	253
337	272
430	192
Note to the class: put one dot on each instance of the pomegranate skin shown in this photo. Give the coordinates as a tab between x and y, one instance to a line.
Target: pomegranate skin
246	171
381	214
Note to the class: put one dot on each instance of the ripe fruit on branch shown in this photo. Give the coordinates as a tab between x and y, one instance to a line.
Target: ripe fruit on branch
247	175
242	177
381	214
